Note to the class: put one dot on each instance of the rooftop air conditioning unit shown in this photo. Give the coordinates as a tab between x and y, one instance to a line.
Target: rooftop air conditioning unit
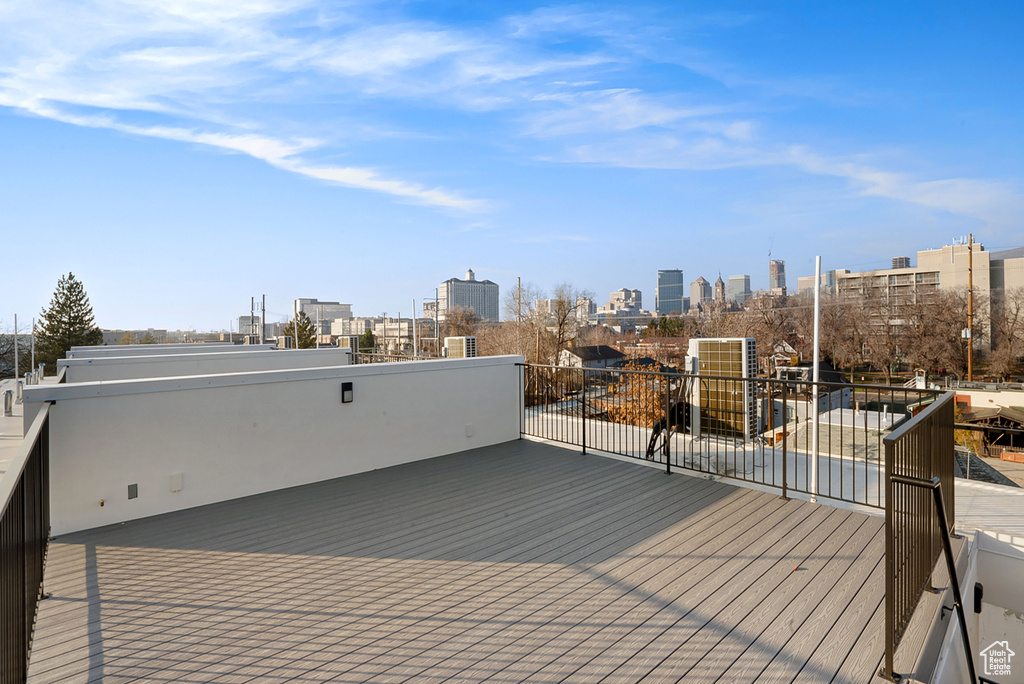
349	342
460	347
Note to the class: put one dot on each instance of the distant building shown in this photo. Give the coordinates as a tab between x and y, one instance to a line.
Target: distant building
945	268
901	262
805	284
668	298
249	325
325	312
597	356
720	290
111	337
479	295
700	292
585	309
625	300
777	276
738	288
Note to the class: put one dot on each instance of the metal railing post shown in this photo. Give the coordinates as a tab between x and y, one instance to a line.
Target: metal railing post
890	564
785	433
666	449
583	406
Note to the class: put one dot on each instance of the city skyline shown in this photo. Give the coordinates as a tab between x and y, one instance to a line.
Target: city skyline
184	158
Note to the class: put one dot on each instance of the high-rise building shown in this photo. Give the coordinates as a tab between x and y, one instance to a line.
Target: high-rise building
668	298
479	295
700	292
325	312
738	288
993	275
901	262
777	276
626	300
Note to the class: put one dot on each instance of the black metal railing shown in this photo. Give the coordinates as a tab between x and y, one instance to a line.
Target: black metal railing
757	430
380	357
24	531
919	515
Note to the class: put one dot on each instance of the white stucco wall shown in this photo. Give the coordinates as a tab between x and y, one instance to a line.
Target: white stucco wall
992	398
156	349
234	435
216	361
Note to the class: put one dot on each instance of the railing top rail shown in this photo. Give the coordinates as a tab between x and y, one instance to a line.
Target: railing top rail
9	480
906	427
979	427
896	389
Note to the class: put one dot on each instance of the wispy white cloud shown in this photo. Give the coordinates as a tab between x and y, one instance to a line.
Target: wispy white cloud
994	201
181	58
988	200
594	111
282	154
294	82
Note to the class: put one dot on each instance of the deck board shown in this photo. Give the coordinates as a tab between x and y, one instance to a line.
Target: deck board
520	562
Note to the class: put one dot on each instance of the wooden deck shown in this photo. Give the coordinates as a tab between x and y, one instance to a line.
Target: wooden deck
521	562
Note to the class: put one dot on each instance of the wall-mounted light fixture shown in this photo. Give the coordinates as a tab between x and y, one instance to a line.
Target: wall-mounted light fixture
346	393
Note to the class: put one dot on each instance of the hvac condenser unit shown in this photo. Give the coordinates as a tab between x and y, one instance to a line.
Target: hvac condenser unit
460	347
722	402
349	342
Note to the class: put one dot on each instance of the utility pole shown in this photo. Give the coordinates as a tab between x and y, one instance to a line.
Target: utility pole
519	299
970	308
16	369
263	320
33	342
415	343
252	315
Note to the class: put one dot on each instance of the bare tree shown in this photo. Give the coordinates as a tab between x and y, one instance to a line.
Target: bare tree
564	319
460	321
599	334
770	321
521	330
1008	333
883	332
932	330
7	353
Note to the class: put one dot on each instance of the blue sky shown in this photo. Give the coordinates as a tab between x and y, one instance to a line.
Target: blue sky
182	156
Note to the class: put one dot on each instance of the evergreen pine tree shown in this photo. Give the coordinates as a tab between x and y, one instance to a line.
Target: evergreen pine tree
368	343
68	322
306	338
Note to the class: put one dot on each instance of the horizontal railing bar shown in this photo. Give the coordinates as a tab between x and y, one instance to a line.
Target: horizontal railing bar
916	481
987	428
921	417
9	480
895	389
